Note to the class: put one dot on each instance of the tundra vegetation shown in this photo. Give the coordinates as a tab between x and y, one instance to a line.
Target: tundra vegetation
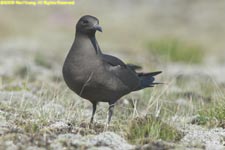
38	111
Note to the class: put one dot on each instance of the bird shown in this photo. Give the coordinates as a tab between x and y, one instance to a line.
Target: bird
100	77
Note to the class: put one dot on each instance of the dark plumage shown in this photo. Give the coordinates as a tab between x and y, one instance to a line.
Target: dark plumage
98	77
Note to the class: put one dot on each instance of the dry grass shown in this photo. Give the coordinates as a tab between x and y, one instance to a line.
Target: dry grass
37	96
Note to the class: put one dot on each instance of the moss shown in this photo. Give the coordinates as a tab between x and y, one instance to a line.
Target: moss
176	50
149	128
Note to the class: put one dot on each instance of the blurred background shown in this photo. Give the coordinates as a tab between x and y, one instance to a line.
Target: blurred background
153	33
183	38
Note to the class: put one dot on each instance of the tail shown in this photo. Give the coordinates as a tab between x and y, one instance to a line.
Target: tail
147	79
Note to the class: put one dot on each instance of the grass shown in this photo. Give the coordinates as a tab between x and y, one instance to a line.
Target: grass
212	115
149	128
34	115
145	118
176	50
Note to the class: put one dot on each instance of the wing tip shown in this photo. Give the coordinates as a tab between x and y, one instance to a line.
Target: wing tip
150	73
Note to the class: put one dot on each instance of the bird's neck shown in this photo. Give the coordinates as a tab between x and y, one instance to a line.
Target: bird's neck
95	44
85	40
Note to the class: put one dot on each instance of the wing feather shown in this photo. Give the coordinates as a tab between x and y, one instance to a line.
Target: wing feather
123	72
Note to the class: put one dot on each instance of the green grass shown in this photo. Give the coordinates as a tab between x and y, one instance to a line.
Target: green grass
176	50
212	115
209	100
149	128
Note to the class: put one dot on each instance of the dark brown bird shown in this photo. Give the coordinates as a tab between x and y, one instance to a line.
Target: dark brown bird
98	77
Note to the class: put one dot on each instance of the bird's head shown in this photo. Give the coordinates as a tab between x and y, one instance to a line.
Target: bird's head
88	25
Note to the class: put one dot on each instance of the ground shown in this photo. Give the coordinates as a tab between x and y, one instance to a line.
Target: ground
185	40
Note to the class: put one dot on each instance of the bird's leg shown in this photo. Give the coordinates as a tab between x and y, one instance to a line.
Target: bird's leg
111	107
93	111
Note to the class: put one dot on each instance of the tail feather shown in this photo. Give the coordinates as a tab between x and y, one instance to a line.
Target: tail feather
149	73
147	79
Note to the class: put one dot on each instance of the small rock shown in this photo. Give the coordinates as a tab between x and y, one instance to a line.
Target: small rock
105	140
110	139
196	135
60	126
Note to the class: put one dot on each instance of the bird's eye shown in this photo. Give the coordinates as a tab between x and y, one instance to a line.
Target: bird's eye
84	22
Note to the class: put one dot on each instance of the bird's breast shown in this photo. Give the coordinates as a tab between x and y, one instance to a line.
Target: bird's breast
79	71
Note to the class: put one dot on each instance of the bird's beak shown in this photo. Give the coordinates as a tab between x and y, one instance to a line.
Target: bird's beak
97	27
